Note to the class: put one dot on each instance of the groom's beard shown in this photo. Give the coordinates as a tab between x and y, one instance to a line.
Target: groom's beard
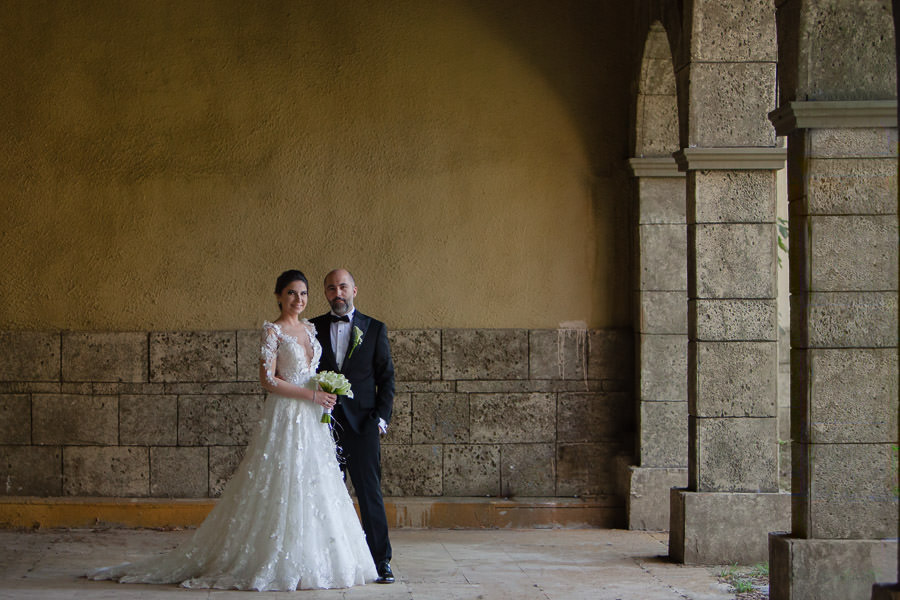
341	307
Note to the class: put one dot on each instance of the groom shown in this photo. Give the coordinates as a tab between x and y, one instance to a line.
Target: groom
357	346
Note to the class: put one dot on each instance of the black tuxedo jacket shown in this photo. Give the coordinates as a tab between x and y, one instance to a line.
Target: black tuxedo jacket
369	369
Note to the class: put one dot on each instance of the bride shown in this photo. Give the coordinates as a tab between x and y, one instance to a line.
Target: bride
285	520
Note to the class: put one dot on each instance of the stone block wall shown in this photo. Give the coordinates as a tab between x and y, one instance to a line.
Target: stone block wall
479	412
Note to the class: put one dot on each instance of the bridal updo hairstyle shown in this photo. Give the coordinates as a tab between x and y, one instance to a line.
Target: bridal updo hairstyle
287	278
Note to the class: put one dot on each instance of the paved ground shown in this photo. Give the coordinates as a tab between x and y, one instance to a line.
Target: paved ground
595	564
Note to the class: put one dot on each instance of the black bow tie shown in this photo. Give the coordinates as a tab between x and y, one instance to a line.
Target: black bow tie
335	318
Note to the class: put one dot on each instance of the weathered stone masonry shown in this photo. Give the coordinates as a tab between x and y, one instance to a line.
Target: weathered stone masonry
484	412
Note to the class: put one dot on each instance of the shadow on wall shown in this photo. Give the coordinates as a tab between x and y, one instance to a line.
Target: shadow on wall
582	50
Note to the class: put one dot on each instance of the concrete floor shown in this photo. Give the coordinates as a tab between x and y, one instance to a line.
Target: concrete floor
595	564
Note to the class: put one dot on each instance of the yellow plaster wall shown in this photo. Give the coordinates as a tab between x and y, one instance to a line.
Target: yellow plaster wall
161	162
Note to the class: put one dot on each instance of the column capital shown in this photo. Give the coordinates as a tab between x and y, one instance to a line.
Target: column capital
661	166
833	114
729	159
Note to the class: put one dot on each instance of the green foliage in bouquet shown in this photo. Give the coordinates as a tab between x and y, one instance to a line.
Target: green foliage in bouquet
333	383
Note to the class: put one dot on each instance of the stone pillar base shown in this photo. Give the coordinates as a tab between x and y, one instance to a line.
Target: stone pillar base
808	569
886	591
715	528
646	493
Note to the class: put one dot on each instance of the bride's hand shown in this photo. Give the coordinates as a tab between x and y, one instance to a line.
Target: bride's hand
324	399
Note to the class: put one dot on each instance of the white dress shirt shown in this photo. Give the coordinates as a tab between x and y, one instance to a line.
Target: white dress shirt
340	337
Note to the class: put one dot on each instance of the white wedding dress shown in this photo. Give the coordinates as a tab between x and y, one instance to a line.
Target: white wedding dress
285	520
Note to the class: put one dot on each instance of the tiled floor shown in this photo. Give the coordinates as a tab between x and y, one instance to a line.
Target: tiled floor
595	564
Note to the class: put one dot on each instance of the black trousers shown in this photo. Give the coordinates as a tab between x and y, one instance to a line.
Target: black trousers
360	455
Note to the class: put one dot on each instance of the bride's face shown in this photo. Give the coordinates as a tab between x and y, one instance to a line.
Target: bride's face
293	298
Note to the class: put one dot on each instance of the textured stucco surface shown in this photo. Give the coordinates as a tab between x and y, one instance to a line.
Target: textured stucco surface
162	162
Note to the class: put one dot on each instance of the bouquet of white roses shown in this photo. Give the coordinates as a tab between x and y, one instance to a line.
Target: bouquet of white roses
333	383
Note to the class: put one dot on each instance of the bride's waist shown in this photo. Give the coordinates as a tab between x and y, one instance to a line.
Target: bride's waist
301	380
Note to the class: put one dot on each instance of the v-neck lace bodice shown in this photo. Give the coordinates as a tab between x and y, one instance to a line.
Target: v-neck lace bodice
284	355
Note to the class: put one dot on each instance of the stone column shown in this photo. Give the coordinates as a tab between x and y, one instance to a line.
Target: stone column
660	342
725	69
842	169
732	500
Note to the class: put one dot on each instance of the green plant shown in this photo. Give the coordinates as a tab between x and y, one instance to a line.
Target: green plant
782	226
729	572
743	580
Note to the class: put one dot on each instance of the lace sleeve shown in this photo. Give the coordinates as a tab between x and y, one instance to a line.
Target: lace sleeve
269	351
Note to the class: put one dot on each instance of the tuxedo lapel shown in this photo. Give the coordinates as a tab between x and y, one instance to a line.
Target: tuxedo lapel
362	321
323	332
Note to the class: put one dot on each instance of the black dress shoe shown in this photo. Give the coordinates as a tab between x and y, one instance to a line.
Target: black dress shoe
385	575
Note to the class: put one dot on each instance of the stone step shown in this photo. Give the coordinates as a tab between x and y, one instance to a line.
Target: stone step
402	512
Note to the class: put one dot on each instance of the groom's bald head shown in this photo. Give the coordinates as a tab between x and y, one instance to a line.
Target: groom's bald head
338	273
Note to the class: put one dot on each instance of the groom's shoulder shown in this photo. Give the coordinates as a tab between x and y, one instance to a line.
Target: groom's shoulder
318	321
372	321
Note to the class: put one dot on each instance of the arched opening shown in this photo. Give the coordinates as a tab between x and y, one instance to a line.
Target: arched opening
656	111
660	290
